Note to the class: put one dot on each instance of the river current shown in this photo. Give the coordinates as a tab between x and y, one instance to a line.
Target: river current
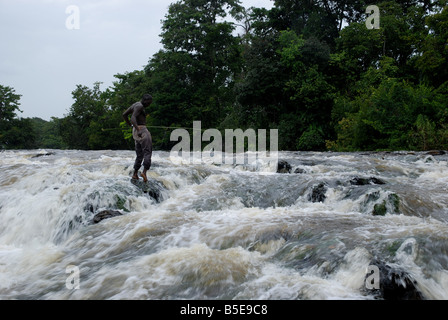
208	231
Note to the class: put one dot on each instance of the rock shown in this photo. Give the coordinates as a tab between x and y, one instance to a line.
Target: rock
152	188
436	153
380	209
105	214
391	205
318	193
299	170
43	154
357	181
395	284
283	167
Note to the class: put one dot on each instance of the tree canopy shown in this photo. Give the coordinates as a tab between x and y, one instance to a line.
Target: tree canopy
311	69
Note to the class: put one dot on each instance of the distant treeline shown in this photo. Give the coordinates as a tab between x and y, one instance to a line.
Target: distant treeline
311	69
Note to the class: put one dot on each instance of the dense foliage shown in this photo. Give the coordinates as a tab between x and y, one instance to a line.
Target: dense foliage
311	69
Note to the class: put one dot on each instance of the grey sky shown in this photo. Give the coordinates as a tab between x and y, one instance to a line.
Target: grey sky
43	60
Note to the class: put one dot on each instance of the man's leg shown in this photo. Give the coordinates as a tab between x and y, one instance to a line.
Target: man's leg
147	154
138	159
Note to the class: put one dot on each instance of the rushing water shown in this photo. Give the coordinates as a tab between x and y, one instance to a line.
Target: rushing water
220	231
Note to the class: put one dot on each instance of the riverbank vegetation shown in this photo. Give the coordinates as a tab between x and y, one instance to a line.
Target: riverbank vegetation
311	69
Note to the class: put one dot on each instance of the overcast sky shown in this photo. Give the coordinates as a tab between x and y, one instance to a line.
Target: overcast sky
45	53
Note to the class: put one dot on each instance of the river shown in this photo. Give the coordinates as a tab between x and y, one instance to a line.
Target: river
208	231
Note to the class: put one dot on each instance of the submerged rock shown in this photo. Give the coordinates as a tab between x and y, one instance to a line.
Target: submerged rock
436	152
318	193
152	187
283	167
391	205
357	181
43	154
105	214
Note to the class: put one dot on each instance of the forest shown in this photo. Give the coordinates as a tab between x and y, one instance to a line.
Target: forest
313	69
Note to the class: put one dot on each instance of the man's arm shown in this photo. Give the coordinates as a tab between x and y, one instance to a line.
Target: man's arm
138	108
134	111
126	114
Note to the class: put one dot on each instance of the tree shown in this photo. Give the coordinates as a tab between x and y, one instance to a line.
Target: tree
15	133
47	133
89	108
308	89
193	75
395	115
311	69
433	61
9	104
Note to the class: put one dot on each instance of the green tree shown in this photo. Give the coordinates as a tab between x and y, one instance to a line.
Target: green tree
259	91
81	122
15	133
9	104
193	76
432	63
47	133
311	69
307	87
396	115
382	102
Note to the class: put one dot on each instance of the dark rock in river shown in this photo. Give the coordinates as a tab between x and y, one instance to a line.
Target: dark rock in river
299	170
283	167
436	152
395	284
106	214
152	187
357	181
391	205
318	193
43	154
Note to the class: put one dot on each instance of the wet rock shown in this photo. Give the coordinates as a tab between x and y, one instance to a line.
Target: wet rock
43	154
318	193
105	214
436	153
283	167
379	209
299	170
391	205
357	181
152	187
394	284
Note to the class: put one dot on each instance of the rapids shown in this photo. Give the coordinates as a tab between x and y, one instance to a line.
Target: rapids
220	231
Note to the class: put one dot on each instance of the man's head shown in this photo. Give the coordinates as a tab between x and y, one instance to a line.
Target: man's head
146	99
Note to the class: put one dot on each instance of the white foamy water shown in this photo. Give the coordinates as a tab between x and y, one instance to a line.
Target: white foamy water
207	231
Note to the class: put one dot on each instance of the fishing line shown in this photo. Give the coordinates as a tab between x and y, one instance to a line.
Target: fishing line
159	127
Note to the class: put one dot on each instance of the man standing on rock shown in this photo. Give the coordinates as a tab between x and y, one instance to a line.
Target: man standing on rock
141	135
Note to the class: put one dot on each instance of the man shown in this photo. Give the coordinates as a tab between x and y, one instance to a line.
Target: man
141	135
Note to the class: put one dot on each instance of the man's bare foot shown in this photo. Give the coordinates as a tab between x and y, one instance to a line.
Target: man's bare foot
143	174
135	176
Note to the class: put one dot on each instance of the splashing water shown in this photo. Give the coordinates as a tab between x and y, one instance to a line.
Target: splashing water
205	231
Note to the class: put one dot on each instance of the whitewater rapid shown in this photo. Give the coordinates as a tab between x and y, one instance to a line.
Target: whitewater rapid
213	231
